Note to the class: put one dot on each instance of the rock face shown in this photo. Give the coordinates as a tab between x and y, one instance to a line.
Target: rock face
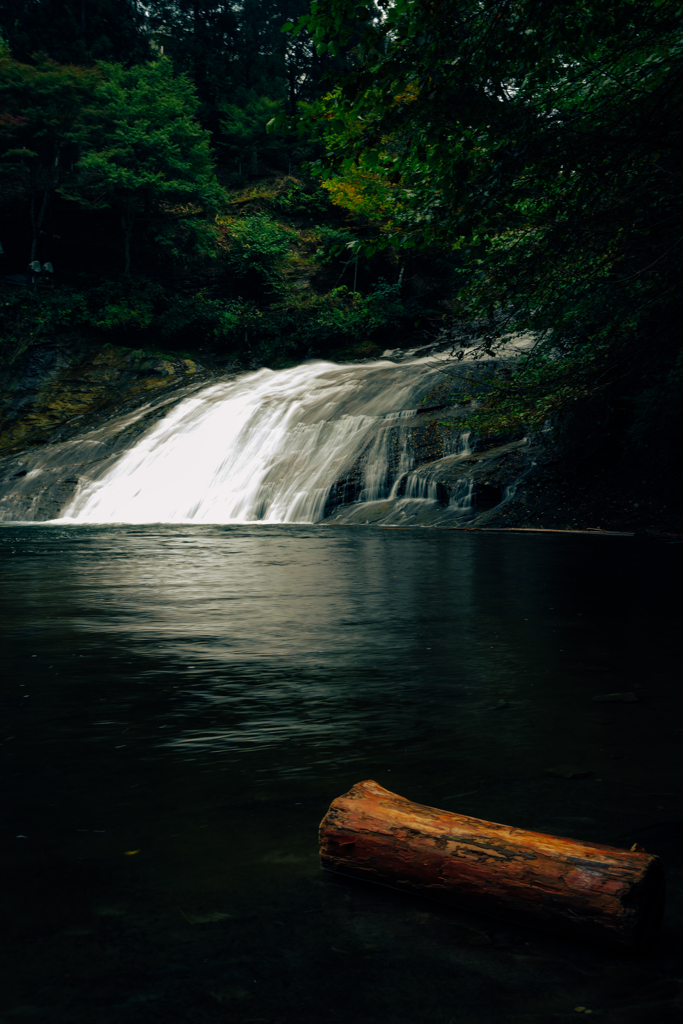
57	390
68	413
471	486
64	410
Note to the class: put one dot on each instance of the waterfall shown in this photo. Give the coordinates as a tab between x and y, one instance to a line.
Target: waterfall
267	446
418	485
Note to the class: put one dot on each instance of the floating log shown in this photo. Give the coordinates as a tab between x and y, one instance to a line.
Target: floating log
593	892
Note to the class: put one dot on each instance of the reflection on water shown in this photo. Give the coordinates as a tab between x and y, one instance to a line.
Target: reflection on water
200	694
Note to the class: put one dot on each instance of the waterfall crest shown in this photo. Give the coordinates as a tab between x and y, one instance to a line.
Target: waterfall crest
267	446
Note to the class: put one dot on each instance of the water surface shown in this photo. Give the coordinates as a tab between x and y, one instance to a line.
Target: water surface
199	694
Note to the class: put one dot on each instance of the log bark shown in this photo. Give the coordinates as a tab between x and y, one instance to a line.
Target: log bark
593	892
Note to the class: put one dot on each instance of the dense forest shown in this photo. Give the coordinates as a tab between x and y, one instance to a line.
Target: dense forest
141	162
271	181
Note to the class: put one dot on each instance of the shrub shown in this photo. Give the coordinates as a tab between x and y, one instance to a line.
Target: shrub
258	245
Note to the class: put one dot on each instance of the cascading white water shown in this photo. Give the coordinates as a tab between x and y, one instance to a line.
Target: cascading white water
376	471
418	485
267	446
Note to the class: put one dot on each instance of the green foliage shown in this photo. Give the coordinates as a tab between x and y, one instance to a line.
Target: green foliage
384	304
183	235
114	307
259	245
333	319
73	32
18	329
540	144
145	315
243	326
244	69
332	243
144	149
88	148
238	53
41	106
245	138
302	198
342	317
123	306
312	325
540	388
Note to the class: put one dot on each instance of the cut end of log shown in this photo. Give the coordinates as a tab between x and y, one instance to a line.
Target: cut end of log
590	891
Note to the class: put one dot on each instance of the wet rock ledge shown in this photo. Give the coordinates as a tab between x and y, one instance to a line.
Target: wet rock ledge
65	410
473	486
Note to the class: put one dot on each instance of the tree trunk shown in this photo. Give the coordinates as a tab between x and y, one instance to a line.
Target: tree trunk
592	892
291	75
127	224
37	222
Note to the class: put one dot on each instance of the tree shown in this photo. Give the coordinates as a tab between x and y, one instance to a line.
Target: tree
541	143
41	105
75	31
232	53
143	149
237	55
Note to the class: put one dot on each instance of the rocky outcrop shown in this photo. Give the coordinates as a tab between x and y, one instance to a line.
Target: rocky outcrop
69	411
469	487
56	390
66	411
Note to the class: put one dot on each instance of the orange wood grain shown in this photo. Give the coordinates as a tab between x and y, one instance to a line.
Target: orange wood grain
595	892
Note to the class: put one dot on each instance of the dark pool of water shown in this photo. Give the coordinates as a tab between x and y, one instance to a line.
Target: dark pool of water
180	706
